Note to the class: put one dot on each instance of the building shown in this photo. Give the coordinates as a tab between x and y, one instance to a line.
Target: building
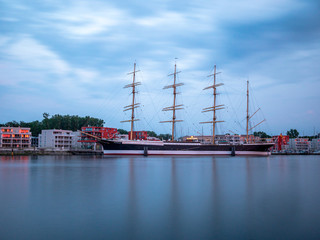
122	136
281	142
139	135
15	137
219	139
76	139
228	139
89	136
34	142
251	139
57	139
315	145
203	139
300	145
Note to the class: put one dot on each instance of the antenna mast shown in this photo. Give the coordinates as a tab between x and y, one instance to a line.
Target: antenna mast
214	107
174	107
134	104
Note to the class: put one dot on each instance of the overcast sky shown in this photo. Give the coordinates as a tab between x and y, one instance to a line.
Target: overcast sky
72	57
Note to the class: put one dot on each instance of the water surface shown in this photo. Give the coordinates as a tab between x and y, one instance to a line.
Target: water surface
75	197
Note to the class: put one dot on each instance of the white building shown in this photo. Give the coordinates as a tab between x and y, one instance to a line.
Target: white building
58	139
315	145
219	139
300	145
15	137
228	139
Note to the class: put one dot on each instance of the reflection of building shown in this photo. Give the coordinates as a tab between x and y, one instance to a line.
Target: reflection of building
90	142
57	138
15	137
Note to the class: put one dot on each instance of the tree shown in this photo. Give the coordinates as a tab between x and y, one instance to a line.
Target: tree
165	136
45	120
152	134
122	131
57	121
261	134
12	124
293	133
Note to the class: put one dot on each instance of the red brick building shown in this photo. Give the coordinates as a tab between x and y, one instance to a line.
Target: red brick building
280	141
138	135
99	132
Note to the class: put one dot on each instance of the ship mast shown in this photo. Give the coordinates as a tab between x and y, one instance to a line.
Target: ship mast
134	104
247	110
248	116
174	107
215	107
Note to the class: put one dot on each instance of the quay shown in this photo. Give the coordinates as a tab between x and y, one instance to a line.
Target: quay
37	151
29	151
293	153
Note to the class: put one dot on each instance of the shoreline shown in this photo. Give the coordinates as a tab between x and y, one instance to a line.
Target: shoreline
21	152
24	152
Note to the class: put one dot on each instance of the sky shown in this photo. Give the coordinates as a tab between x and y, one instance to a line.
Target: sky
73	57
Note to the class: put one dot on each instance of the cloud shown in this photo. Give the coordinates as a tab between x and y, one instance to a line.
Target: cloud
29	62
247	11
83	19
79	52
31	54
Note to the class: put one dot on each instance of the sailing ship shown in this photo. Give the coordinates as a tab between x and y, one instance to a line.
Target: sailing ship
172	147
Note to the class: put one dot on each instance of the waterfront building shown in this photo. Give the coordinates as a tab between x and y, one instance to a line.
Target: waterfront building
57	139
76	139
89	135
228	139
138	135
251	139
315	145
281	141
300	145
15	137
123	136
203	138
219	139
34	142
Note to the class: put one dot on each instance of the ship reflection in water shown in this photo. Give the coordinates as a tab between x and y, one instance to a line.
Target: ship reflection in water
72	197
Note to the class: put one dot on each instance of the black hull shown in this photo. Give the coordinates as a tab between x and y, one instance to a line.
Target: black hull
141	148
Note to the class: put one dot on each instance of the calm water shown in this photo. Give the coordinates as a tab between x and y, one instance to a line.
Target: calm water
54	197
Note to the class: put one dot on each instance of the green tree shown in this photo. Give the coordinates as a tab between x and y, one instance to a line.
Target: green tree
261	134
45	120
293	133
152	134
57	121
12	124
165	136
122	131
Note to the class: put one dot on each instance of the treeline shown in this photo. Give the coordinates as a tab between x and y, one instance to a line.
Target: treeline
57	121
150	134
261	134
292	133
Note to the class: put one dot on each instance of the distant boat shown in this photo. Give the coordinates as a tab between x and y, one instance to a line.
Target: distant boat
141	147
